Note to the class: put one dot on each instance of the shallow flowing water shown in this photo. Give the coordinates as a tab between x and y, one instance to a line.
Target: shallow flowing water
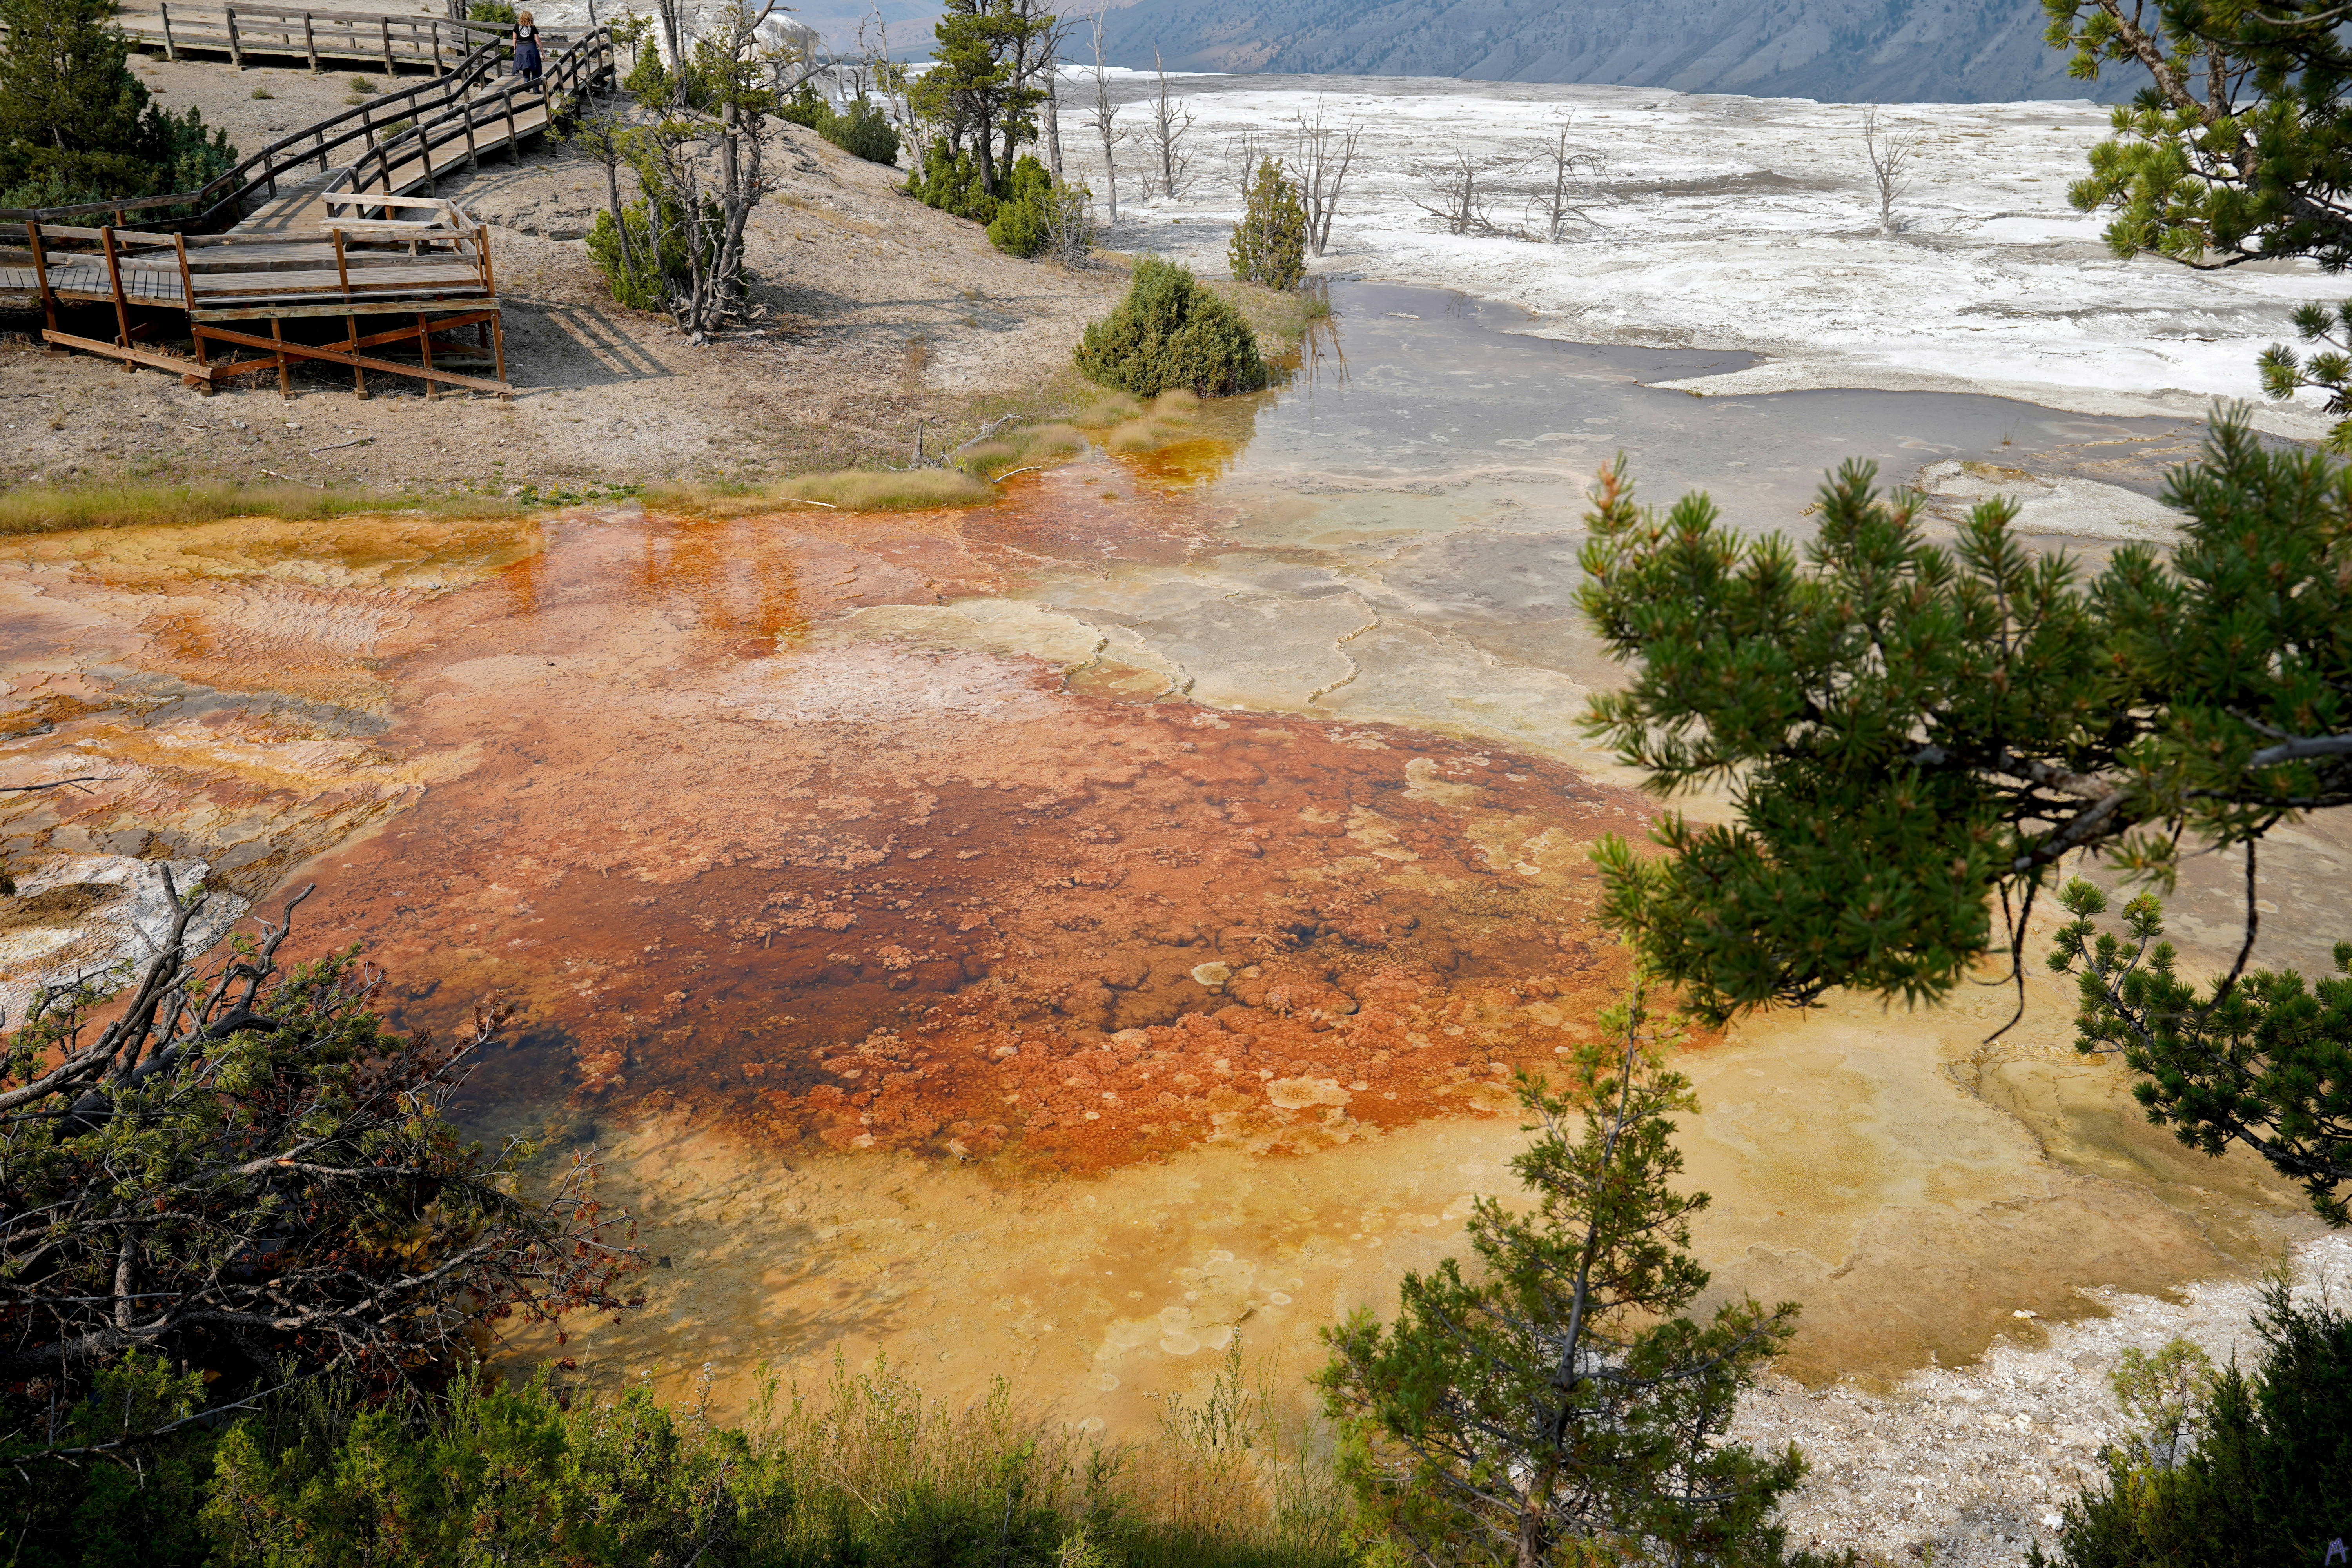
1053	937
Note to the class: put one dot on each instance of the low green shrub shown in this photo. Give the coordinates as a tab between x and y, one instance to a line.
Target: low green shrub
77	125
1171	332
630	271
862	130
2229	1470
1023	209
1038	216
633	272
949	180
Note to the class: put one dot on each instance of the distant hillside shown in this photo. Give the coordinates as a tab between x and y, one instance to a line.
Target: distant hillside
1929	51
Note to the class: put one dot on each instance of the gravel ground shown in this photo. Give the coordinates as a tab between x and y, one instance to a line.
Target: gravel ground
1965	1466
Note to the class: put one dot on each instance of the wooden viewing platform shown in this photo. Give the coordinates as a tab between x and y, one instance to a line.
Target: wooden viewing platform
308	245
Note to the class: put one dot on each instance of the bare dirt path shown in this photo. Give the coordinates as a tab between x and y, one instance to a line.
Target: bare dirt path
881	313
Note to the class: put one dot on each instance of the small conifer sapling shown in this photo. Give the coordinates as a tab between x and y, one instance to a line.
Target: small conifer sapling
1553	1396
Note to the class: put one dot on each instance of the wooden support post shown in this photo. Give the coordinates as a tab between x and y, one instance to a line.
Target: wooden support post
514	137
425	348
188	296
499	348
438	68
114	279
309	41
41	271
236	49
359	372
171	48
384	26
285	382
473	158
320	136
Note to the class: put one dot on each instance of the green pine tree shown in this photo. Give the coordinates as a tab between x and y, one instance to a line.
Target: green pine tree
1911	731
75	125
2245	1470
985	55
2261	1059
2238	148
1269	244
1556	1397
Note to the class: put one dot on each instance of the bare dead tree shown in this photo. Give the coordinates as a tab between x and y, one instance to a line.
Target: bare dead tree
889	87
1244	152
1892	152
1069	228
1323	156
1456	192
239	1171
1566	181
1050	68
1105	115
1164	131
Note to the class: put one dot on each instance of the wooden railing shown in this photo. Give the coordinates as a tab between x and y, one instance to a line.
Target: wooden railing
368	37
392	280
575	72
222	203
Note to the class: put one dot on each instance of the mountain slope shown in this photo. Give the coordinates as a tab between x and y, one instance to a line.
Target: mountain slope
1851	51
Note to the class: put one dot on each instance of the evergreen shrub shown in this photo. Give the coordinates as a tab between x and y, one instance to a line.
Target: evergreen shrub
1269	244
2268	1483
632	272
862	130
1024	210
949	180
1171	332
77	126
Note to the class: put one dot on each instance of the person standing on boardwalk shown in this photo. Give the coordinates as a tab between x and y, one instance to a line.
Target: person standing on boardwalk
525	48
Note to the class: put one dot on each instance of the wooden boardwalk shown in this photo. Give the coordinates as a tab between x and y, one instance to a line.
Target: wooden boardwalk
308	243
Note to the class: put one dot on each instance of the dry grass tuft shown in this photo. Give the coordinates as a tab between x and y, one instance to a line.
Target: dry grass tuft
871	489
1228	1481
844	489
55	509
1170	419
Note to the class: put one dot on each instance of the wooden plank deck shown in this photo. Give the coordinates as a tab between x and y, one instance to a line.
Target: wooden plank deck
322	244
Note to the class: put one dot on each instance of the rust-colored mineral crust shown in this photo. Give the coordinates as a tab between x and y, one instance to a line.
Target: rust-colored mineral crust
874	894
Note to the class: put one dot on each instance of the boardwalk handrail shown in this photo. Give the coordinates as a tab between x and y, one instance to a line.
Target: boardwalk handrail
238	27
227	194
570	74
